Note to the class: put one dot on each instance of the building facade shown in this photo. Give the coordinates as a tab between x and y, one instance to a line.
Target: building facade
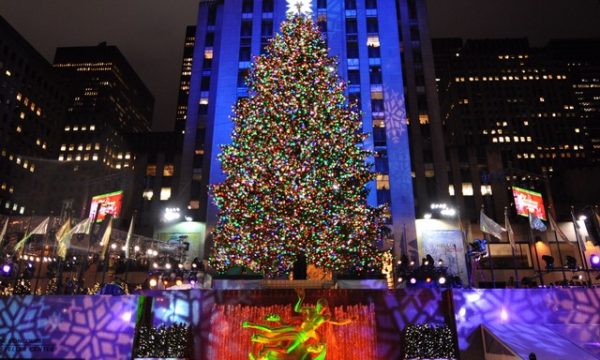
32	108
516	115
386	58
107	101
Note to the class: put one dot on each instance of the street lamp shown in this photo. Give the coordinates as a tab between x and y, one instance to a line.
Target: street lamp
171	214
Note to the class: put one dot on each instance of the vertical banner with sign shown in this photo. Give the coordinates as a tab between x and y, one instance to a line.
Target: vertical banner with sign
528	201
110	204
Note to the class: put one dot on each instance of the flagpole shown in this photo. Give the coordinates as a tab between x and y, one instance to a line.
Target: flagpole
512	245
87	254
19	257
128	245
537	258
42	256
579	243
555	226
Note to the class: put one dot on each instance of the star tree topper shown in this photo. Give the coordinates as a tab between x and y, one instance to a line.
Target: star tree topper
299	7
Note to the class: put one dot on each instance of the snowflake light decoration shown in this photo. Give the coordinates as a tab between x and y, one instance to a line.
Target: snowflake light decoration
299	7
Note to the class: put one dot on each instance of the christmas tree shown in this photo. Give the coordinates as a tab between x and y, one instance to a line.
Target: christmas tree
296	173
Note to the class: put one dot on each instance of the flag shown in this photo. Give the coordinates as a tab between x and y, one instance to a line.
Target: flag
82	227
129	236
554	227
106	238
536	223
489	226
509	231
3	232
41	229
63	238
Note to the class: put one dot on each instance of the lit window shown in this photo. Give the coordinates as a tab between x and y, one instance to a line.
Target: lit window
19	96
95	157
165	193
168	170
38	112
18	160
32	168
577	130
383	182
451	190
88	146
69	157
118	166
120	156
22	210
92	127
78	158
423	119
75	128
148	194
80	147
97	146
151	170
127	156
83	128
67	128
373	40
208	53
22	115
71	147
486	189
467	189
61	157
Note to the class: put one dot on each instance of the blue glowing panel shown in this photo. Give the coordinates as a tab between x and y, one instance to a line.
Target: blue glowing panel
84	327
568	313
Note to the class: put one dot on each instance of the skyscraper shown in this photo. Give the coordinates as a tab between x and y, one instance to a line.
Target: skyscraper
108	100
32	108
384	54
515	115
185	77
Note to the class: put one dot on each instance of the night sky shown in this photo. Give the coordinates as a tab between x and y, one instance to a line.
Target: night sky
150	33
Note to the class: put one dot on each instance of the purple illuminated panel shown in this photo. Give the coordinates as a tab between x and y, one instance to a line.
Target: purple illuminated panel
84	327
566	314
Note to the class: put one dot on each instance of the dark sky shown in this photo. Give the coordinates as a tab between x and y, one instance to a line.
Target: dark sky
150	33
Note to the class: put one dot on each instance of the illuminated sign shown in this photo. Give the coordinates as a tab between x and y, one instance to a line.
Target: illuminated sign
527	201
109	204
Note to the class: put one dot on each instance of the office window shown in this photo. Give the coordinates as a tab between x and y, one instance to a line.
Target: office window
246	30
267	6
165	193
242	74
266	28
374	50
148	194
377	105
372	25
351	26
151	170
375	75
210	39
321	4
383	182
168	170
205	83
245	53
247	6
352	49
354	77
350	4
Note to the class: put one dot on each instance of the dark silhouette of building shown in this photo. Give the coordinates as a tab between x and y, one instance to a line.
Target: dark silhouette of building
516	115
32	108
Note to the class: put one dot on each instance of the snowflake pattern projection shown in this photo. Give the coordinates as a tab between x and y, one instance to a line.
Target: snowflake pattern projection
553	307
22	322
96	327
395	115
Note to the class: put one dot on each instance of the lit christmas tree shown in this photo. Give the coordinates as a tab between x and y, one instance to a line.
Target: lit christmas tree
295	171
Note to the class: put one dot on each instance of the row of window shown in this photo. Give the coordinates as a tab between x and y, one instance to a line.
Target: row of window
165	194
26	164
168	170
467	189
80	147
28	104
78	127
509	78
15	207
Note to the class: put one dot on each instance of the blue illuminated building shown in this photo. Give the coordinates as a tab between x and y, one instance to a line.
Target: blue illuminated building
375	41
